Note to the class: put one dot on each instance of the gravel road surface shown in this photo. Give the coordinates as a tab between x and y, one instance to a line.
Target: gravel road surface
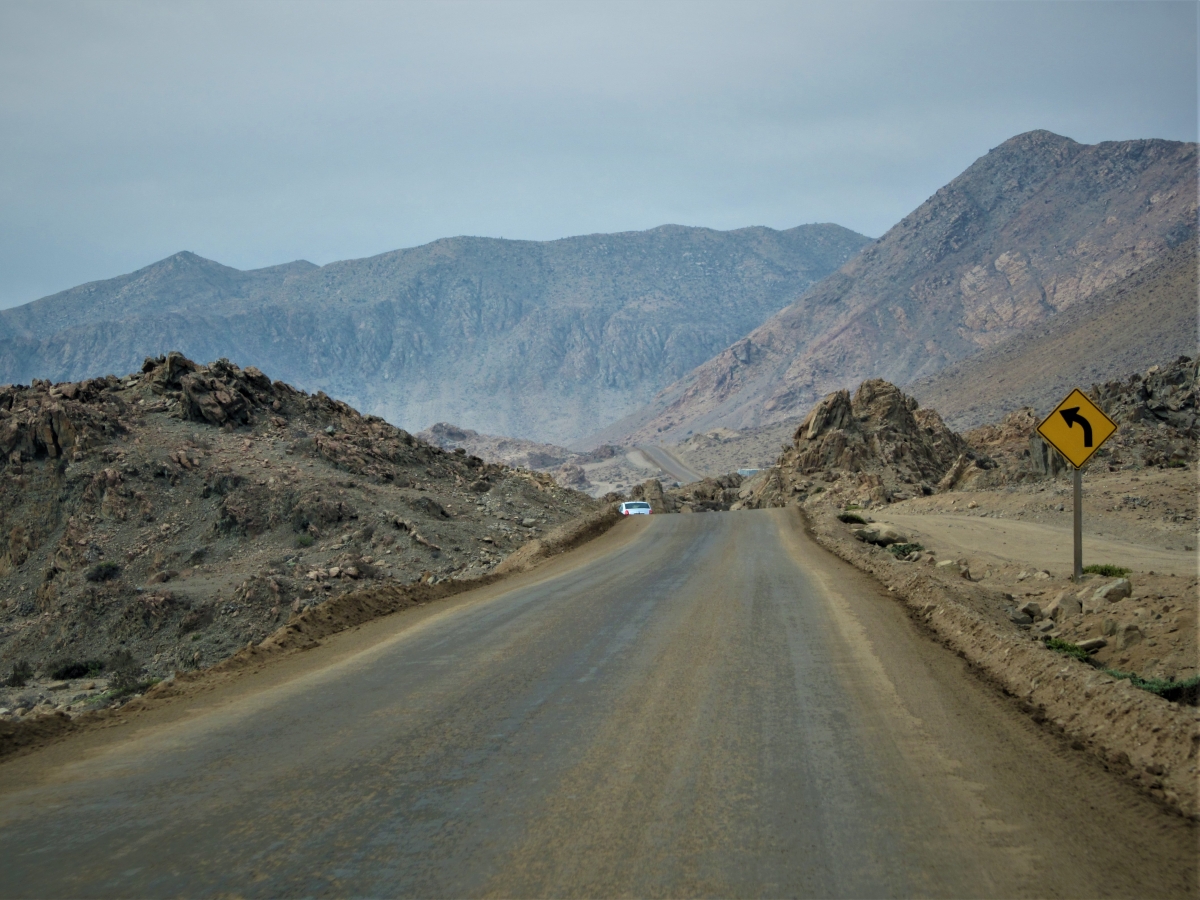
691	705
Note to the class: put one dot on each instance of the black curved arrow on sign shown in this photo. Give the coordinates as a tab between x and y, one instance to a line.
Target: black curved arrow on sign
1071	416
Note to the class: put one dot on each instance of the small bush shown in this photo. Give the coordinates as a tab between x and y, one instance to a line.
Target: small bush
105	571
1107	570
126	673
850	506
67	669
1176	464
304	540
901	550
1186	692
1068	649
21	672
851	519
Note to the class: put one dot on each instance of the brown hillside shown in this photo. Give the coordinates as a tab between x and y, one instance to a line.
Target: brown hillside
1148	318
1027	231
179	513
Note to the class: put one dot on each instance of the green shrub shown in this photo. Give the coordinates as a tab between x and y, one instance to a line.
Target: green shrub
1068	649
850	506
1107	570
105	571
1186	692
71	668
21	672
851	519
900	550
304	540
1176	464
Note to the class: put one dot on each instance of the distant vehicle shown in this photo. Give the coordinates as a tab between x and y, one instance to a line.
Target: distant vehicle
635	508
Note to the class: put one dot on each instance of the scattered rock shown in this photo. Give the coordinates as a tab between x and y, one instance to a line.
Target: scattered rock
880	535
1032	608
1128	636
1063	606
1093	644
1111	593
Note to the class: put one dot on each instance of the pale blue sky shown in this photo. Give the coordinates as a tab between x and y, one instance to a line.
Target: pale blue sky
257	133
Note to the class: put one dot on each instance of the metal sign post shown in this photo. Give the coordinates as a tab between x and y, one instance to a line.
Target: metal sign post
1076	429
1078	526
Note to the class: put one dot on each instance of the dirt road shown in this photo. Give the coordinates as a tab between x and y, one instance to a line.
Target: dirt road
671	464
1040	545
695	705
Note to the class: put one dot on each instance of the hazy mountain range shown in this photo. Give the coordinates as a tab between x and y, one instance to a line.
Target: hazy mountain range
655	335
1028	230
546	339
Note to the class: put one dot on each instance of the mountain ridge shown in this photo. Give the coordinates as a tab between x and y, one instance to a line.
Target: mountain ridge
1028	229
504	336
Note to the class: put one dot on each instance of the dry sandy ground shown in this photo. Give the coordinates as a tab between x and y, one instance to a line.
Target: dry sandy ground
1019	540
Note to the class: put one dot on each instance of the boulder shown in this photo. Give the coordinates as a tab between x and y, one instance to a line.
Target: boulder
1063	606
1093	644
1128	636
1117	590
1032	609
880	535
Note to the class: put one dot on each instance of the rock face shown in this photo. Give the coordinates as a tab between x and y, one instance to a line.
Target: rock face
1163	394
1148	318
878	440
1027	231
1156	412
523	338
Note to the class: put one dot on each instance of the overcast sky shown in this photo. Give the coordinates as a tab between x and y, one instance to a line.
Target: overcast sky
257	133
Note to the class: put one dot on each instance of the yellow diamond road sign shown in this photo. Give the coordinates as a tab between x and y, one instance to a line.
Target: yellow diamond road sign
1077	428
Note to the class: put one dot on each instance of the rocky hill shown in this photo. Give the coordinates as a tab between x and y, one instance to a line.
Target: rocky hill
878	446
531	339
1027	231
176	514
1148	318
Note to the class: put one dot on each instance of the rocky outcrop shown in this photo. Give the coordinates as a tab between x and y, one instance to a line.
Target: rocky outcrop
1166	394
1156	414
877	443
879	428
55	421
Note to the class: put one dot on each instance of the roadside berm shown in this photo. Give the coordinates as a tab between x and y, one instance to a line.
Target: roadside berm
1110	663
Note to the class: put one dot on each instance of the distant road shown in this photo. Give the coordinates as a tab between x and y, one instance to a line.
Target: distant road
698	705
670	463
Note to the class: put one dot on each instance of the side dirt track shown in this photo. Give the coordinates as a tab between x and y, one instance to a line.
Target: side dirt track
305	630
1141	737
